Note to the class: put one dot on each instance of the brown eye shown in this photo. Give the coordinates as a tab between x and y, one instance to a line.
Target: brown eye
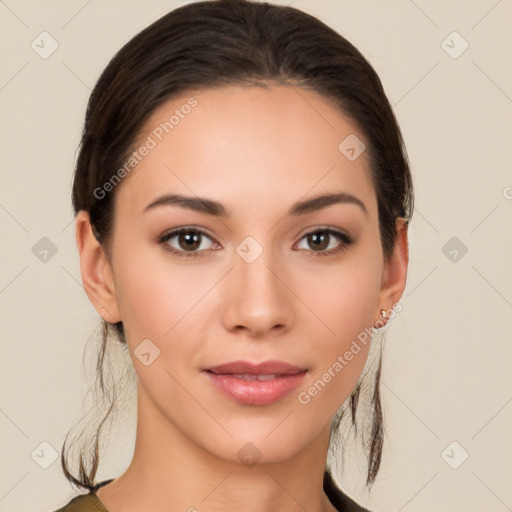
325	242
318	240
187	242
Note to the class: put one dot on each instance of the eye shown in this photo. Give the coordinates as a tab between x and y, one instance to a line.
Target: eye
193	242
323	241
186	242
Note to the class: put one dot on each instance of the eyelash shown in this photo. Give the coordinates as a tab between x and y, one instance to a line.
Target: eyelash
345	239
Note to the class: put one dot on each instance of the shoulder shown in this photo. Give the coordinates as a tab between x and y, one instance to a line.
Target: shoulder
338	498
84	503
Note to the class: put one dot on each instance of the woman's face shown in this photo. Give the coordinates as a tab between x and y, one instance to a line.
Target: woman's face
256	277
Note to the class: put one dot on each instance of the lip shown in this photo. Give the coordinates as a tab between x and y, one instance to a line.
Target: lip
256	392
264	368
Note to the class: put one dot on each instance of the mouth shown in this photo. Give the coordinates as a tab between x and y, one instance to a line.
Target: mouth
256	384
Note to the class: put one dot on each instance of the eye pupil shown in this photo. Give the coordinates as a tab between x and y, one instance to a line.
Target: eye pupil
321	237
191	241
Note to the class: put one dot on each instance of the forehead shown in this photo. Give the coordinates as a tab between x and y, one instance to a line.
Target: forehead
248	144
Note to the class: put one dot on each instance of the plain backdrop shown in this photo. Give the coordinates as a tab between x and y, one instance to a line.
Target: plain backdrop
446	67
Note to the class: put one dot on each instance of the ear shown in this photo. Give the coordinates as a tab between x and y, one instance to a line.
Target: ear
96	270
394	274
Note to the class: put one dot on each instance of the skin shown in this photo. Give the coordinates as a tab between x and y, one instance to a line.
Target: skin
257	151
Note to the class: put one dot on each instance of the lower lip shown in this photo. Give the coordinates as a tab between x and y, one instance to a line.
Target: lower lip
256	392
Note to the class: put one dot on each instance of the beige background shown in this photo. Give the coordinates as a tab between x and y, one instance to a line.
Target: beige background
447	360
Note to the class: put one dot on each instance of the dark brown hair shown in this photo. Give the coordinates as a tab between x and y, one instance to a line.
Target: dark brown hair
217	43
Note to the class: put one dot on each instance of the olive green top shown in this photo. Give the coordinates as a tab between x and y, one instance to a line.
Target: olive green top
84	503
91	503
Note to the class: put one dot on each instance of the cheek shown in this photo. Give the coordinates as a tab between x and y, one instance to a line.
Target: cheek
344	302
155	295
342	296
161	301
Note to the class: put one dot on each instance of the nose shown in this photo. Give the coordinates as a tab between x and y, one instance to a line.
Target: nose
256	298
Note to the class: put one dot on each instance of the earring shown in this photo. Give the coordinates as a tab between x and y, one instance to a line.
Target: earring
379	324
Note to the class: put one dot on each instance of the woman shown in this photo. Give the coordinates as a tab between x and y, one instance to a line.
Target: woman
242	196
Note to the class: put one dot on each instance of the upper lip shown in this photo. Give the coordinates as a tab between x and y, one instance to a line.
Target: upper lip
264	368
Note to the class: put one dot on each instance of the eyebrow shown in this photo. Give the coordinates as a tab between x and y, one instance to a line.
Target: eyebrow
210	207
